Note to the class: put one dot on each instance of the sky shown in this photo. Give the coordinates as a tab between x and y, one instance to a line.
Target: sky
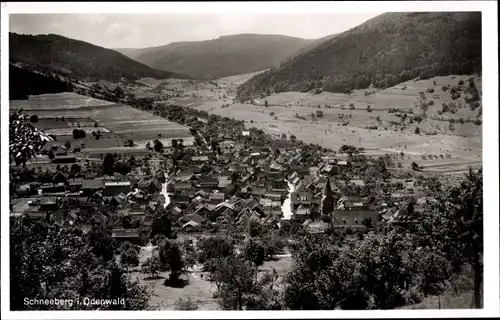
147	30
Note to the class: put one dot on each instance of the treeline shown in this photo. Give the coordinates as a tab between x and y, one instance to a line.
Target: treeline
384	51
23	83
78	58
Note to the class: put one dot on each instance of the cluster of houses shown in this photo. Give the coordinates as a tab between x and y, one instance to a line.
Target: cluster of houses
125	203
225	188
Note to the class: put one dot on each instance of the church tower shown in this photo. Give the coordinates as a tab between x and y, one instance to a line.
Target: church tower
328	203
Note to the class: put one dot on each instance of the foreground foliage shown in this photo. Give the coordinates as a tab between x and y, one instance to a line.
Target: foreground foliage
51	263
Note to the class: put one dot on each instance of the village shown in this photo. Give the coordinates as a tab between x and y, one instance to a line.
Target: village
213	188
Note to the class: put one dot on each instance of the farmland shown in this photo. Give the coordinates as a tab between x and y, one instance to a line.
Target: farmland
60	114
440	147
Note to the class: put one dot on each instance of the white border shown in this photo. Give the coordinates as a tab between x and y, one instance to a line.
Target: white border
490	143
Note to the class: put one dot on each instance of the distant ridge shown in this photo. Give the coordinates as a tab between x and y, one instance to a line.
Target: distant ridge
384	51
77	58
225	56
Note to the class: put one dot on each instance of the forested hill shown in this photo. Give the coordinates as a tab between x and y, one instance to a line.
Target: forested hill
222	57
77	59
384	51
24	82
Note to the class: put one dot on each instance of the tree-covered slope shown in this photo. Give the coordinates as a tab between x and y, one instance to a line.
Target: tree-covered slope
384	51
222	57
76	58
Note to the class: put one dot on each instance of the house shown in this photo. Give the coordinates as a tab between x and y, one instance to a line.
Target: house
179	187
60	177
209	183
217	197
201	159
90	186
184	176
160	176
225	175
224	184
180	200
316	226
64	159
358	182
328	169
302	213
49	188
49	204
245	133
273	196
116	187
356	219
149	186
75	185
24	190
131	235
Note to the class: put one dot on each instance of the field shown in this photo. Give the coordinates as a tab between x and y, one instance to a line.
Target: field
60	114
378	131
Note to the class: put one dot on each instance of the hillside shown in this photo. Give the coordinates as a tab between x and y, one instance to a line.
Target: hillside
384	51
23	83
77	59
222	57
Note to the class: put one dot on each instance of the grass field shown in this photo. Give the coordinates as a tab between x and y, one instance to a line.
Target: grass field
66	100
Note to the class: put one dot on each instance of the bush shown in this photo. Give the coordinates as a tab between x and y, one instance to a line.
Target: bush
185	304
417	130
461	83
34	118
478	122
445	88
79	134
455	95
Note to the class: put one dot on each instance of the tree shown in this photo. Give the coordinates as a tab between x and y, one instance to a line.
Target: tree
455	226
353	273
34	118
129	258
75	169
417	130
171	259
108	164
48	262
51	155
79	134
415	166
255	252
266	104
67	145
119	92
151	266
101	243
130	143
214	247
238	287
173	143
158	146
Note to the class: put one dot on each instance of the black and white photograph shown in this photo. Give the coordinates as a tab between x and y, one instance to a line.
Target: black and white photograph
235	157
